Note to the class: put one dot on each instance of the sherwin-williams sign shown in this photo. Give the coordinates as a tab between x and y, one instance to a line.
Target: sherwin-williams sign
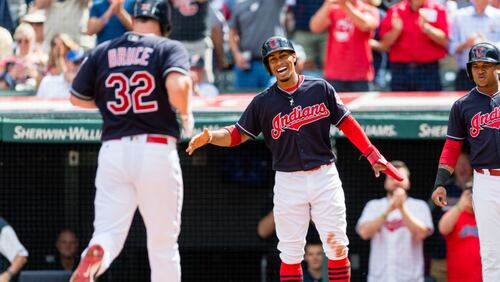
51	131
389	126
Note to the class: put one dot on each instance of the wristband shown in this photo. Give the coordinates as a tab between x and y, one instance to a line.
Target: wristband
442	176
235	135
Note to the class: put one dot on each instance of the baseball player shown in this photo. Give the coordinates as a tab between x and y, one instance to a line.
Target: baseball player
475	118
138	82
295	115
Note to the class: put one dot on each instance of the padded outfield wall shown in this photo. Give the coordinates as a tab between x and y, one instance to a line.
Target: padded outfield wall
48	158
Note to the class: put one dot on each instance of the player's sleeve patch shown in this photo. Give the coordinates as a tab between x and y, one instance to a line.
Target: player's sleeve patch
175	69
246	131
79	95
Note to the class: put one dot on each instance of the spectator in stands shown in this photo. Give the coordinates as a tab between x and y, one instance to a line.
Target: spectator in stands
252	23
6	43
459	227
218	26
396	225
24	67
13	255
190	26
313	258
472	25
60	45
65	16
36	18
67	256
415	33
200	86
349	60
313	43
454	189
57	85
110	18
380	62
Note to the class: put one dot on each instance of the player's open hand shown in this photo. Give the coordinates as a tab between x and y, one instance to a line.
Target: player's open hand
199	140
439	196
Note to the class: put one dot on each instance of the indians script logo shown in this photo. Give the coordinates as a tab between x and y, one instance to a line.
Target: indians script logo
479	121
297	118
393	225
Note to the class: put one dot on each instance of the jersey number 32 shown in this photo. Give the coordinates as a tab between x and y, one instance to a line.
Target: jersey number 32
144	84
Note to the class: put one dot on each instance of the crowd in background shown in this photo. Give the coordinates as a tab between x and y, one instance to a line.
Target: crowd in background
357	45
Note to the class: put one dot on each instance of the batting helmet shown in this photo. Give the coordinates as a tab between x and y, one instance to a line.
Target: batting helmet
154	9
482	52
274	44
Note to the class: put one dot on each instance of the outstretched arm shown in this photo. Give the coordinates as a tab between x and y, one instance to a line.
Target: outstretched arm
228	136
357	136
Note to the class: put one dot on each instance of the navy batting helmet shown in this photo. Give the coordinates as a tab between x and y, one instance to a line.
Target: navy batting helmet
274	44
482	52
154	9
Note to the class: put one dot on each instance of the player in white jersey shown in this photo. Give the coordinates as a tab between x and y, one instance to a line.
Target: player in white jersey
139	82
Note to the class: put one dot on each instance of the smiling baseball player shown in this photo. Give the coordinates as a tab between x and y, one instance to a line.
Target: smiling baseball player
295	115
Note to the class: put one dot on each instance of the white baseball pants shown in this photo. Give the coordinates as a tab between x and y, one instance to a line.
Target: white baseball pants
131	174
486	199
302	196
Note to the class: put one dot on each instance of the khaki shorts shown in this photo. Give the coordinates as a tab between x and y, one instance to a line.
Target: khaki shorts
439	270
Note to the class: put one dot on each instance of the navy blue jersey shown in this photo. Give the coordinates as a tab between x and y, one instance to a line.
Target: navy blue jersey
295	126
126	78
476	118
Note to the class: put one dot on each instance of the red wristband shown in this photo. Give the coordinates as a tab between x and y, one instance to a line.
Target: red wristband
235	135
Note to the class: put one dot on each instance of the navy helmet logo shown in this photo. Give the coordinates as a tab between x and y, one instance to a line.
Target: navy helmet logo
145	7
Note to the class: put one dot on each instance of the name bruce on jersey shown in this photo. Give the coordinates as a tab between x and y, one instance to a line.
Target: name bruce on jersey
128	56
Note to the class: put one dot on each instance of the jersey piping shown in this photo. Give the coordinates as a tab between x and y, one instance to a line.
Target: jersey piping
175	69
79	95
246	131
487	94
294	88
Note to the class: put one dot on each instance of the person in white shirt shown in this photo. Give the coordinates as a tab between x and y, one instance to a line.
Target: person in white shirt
57	85
12	250
397	226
